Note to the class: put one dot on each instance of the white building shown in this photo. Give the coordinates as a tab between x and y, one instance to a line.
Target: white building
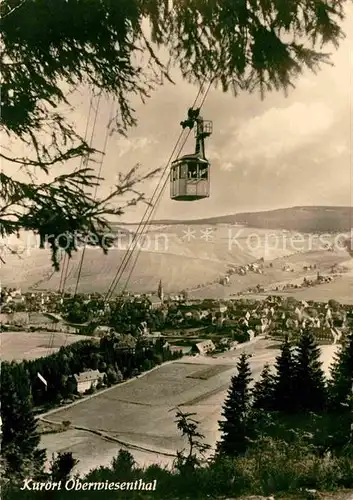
88	379
205	347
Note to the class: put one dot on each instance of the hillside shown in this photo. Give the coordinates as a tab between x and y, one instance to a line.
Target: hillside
184	257
196	255
301	219
164	255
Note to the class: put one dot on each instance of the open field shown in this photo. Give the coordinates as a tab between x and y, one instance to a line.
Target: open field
16	346
141	412
182	256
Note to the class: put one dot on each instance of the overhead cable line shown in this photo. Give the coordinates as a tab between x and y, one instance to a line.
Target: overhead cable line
65	264
111	114
84	161
151	207
161	194
133	243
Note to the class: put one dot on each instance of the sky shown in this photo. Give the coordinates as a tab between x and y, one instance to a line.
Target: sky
265	154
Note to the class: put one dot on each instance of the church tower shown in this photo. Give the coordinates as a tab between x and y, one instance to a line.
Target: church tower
160	291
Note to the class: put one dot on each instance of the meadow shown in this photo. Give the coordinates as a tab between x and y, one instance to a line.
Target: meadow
139	414
17	346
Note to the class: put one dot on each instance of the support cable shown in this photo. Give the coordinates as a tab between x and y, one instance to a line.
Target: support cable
151	208
84	161
160	195
111	114
66	259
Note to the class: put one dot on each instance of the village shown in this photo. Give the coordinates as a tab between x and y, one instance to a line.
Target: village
199	326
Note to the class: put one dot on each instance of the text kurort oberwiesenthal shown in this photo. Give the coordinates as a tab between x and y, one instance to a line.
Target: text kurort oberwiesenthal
77	485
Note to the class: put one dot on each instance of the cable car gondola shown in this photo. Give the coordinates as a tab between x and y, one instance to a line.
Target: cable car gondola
190	174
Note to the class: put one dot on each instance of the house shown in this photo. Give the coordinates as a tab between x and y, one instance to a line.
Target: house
88	379
156	303
126	342
184	349
205	347
19	319
5	318
153	336
102	330
251	334
196	314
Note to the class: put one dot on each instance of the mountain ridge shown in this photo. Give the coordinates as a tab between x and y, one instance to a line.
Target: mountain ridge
298	218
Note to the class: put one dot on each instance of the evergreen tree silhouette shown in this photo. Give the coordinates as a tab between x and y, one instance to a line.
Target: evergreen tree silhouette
263	391
284	380
20	438
309	379
340	389
341	383
62	466
236	428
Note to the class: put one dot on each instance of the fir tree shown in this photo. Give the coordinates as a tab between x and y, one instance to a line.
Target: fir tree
284	380
20	438
341	383
340	390
236	428
263	390
309	378
62	466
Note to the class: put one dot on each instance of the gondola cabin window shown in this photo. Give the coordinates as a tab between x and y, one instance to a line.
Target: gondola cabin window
183	171
192	171
203	173
174	173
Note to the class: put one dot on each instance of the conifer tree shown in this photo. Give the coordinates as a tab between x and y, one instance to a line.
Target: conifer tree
20	438
284	380
263	390
340	388
62	466
341	383
309	378
236	428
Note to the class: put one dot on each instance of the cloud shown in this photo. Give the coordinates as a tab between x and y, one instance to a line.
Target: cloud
279	131
126	146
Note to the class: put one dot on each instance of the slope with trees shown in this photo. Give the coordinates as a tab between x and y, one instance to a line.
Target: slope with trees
270	463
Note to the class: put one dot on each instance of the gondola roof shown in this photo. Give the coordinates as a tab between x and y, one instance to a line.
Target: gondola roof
191	156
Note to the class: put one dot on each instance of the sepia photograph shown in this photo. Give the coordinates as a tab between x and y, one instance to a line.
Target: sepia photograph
176	253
